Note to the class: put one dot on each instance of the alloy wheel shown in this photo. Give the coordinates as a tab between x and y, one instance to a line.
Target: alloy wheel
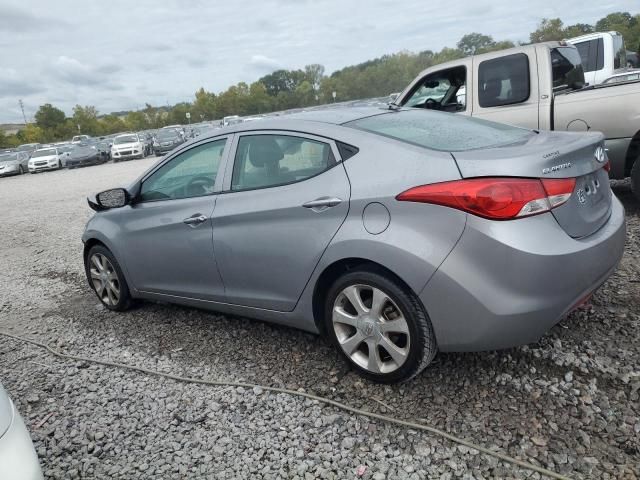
104	279
371	329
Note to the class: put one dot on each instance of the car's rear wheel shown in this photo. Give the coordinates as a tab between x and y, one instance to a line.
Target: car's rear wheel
379	326
106	279
20	170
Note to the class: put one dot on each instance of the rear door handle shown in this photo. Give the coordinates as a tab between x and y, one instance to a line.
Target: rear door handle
322	203
195	220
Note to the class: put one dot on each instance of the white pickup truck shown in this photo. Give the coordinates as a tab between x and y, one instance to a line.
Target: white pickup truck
539	86
603	55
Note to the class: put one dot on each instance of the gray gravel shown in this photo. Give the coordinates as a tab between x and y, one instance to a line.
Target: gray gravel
569	403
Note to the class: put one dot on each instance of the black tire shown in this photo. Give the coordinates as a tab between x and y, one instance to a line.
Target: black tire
635	178
421	341
124	301
20	170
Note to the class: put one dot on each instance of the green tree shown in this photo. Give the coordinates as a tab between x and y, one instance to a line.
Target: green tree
472	43
49	117
625	23
112	124
86	119
31	133
577	30
549	29
136	121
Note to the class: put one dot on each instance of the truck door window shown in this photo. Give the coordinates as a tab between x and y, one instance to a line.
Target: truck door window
592	54
442	90
566	67
503	81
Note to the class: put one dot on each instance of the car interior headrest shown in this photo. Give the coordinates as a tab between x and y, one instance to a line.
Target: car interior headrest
265	151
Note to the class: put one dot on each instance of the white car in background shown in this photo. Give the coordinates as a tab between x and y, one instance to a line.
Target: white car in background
46	159
18	459
127	146
80	138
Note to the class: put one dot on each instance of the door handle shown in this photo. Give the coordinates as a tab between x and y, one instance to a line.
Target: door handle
322	203
195	220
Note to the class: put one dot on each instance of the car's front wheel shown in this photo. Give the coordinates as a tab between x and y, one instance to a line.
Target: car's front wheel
20	170
106	279
379	326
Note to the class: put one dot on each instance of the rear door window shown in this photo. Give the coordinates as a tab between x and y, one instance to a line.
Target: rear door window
503	81
592	54
269	160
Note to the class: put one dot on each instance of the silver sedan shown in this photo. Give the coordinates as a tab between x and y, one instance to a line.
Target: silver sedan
18	459
395	232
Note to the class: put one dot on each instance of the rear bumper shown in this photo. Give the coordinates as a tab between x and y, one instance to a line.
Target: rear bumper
18	459
507	283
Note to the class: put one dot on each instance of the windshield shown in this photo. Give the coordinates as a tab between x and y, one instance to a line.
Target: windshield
44	153
8	157
167	134
441	131
28	146
126	139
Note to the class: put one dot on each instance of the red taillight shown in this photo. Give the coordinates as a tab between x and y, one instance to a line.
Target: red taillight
495	198
607	166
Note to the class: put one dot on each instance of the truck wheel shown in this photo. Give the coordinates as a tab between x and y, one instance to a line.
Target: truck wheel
635	178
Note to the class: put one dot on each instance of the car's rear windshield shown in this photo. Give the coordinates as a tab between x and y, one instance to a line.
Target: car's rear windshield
447	132
44	153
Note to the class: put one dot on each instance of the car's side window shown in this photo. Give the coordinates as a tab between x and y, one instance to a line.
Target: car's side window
189	174
503	80
271	160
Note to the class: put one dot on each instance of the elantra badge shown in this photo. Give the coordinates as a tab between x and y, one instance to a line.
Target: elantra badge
555	168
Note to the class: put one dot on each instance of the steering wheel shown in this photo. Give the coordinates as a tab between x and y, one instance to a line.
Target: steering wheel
199	186
431	104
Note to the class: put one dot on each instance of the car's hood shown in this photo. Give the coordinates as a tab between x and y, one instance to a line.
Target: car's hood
8	162
6	411
47	157
83	152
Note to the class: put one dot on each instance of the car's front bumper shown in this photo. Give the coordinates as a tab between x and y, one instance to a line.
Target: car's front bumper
507	283
9	170
127	154
42	168
72	163
162	149
18	459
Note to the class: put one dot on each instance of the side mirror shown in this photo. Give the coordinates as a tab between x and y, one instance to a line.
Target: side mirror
114	198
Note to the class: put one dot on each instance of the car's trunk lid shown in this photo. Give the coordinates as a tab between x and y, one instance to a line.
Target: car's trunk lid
552	155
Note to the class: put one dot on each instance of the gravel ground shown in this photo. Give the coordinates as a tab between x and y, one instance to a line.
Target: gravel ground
569	403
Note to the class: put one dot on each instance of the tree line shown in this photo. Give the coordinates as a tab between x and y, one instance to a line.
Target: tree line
285	89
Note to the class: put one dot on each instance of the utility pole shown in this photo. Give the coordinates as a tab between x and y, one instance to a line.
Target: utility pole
22	108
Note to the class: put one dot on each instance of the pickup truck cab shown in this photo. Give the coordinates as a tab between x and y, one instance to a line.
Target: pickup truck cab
541	87
603	55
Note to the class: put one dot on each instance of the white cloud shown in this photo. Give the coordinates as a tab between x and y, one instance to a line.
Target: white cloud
102	54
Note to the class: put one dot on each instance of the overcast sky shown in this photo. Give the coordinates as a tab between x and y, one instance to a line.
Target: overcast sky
117	55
